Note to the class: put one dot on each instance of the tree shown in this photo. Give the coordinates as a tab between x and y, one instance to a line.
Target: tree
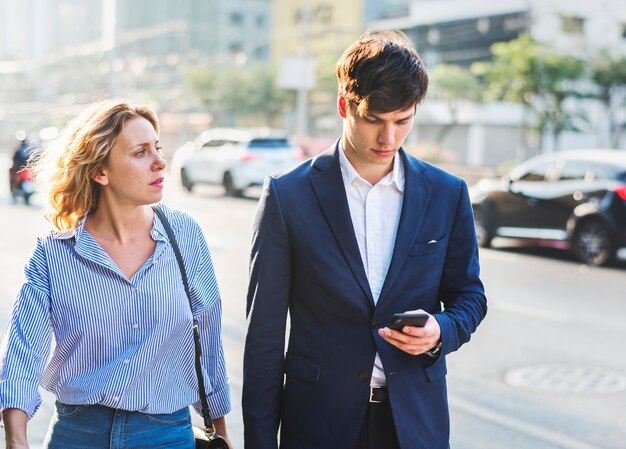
453	83
556	82
235	95
510	76
526	72
608	72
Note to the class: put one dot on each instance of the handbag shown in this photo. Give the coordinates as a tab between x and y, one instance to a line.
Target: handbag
206	438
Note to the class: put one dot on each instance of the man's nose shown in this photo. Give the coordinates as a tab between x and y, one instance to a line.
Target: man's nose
386	135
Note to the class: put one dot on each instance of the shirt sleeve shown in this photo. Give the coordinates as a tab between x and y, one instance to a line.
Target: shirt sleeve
26	345
204	290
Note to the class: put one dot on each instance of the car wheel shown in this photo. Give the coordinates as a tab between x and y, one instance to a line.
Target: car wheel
184	180
592	243
229	185
484	234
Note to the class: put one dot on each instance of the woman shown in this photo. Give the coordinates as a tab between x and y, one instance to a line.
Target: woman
106	284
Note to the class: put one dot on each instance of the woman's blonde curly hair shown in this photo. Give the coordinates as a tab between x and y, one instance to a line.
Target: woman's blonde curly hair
65	169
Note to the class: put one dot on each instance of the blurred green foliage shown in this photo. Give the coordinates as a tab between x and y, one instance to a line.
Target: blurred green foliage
234	93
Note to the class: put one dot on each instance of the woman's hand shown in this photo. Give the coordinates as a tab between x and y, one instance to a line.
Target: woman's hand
220	428
15	428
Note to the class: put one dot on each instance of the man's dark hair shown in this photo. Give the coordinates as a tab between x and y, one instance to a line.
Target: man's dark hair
382	72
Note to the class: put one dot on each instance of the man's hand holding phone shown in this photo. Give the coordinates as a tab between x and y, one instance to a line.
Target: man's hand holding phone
414	332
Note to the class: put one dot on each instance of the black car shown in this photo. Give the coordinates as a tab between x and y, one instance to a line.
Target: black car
570	199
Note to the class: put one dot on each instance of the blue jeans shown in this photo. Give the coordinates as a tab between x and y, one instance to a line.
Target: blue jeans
99	427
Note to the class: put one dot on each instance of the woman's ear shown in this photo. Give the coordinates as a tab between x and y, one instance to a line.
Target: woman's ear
100	176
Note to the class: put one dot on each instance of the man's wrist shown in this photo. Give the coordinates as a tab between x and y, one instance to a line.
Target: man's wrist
434	352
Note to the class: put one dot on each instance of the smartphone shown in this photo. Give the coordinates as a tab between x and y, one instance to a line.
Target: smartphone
400	320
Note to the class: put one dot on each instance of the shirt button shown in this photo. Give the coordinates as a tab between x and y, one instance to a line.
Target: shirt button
135	326
116	398
126	361
363	376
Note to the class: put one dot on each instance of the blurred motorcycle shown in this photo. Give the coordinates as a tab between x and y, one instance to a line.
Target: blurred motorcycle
21	182
23	186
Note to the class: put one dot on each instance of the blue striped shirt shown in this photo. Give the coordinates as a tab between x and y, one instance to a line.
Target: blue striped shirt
121	343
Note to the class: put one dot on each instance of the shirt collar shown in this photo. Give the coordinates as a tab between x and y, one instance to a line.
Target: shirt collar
157	232
349	173
75	233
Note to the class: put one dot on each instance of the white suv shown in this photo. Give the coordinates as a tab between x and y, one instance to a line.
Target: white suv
234	158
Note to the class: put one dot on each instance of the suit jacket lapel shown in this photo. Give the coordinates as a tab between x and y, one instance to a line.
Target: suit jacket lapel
331	195
414	204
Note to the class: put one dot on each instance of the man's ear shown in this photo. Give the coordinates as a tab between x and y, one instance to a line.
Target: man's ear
100	176
342	106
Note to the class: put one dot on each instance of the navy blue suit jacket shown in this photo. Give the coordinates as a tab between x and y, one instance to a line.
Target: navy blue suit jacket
306	263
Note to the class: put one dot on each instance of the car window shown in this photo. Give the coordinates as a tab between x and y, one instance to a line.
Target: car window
606	172
216	143
576	171
268	143
213	144
536	173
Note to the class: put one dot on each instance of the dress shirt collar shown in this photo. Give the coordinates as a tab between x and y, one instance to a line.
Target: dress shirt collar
349	173
157	233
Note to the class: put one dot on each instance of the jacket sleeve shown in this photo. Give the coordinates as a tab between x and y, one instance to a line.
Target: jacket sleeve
26	345
267	305
461	290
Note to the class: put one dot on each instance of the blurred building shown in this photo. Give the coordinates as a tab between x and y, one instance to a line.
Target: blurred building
459	31
462	32
217	31
57	55
307	38
323	28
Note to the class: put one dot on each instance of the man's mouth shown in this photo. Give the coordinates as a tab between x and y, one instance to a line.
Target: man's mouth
383	152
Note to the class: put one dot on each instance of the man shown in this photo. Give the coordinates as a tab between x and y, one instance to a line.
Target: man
343	242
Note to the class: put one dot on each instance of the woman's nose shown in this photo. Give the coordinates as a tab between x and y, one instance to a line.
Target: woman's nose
159	161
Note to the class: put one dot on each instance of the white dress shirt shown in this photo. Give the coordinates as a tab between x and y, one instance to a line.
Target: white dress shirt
375	212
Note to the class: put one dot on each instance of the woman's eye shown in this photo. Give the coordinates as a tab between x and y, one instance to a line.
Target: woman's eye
140	153
159	150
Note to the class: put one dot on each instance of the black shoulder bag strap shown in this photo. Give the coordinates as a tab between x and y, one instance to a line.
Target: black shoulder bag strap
208	424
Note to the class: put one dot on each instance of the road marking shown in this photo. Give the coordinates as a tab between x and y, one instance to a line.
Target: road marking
524	427
532	312
566	378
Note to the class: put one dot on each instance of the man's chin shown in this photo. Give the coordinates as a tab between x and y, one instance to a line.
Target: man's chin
382	158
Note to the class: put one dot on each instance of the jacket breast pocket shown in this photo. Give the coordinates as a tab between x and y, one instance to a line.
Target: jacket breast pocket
299	367
424	248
